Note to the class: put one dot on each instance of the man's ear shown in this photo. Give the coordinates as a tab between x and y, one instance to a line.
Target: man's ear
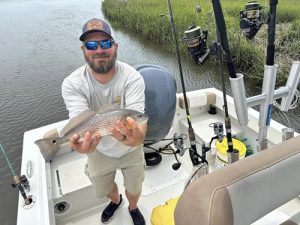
82	48
116	45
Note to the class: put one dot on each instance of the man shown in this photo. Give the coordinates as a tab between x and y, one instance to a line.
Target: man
104	81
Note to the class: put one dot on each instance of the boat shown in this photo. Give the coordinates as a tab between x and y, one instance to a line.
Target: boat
59	192
200	179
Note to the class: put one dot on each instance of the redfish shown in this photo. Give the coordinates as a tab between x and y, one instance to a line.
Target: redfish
90	121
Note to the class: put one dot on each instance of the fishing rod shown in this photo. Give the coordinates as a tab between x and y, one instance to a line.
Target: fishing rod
223	46
221	28
270	72
271	33
20	182
251	21
193	150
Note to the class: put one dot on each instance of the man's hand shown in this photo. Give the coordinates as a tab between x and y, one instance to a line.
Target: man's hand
130	133
87	144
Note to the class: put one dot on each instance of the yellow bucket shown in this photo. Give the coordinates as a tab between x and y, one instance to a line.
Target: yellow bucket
221	151
164	214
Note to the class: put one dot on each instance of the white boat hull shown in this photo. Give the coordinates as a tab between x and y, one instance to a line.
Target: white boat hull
64	180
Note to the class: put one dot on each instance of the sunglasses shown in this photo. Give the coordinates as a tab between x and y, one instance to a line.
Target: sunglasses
104	44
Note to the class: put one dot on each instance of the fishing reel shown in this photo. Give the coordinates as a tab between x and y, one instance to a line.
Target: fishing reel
195	40
178	144
218	130
180	150
23	181
251	19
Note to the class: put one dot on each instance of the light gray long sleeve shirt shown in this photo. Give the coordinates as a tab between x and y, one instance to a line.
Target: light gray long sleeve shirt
81	91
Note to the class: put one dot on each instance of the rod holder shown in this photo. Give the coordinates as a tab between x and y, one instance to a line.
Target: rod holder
287	133
292	83
262	145
270	73
233	156
239	96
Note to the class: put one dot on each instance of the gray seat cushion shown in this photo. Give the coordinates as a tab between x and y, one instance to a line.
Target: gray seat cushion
243	192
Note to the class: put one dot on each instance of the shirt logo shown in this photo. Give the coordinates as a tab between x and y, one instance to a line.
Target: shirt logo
117	100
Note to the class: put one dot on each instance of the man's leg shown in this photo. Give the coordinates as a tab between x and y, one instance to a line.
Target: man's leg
102	170
132	199
135	213
113	206
114	195
132	165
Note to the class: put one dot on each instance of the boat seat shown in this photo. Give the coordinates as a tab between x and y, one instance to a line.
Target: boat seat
160	106
245	191
160	100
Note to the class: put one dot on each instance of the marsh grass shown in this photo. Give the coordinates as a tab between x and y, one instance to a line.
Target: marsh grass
149	18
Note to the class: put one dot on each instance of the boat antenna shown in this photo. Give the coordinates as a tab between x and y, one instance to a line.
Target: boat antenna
193	150
19	181
223	46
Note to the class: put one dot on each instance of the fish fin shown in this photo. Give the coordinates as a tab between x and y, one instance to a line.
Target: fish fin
48	147
74	122
109	107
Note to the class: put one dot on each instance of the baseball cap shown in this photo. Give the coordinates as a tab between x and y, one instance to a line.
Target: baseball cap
95	25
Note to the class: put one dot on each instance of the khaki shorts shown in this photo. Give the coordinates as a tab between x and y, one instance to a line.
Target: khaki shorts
102	171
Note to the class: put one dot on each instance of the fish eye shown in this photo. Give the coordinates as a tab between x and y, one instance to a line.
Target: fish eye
53	141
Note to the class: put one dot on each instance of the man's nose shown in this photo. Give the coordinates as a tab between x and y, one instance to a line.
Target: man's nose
99	49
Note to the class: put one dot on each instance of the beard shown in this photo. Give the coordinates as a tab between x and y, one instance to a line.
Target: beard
101	66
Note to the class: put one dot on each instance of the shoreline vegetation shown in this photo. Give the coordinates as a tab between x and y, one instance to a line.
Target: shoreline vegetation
145	17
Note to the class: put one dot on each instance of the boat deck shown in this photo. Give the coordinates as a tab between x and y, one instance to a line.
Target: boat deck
161	183
157	189
65	180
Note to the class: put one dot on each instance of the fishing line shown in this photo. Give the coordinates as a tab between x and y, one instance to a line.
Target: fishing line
194	175
7	161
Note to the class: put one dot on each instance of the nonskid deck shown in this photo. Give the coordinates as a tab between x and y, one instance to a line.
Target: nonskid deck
87	208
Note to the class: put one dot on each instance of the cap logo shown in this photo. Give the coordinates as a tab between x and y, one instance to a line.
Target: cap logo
95	25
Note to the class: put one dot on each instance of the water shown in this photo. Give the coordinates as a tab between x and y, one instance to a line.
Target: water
39	47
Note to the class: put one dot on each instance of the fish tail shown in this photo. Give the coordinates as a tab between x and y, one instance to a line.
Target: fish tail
48	147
